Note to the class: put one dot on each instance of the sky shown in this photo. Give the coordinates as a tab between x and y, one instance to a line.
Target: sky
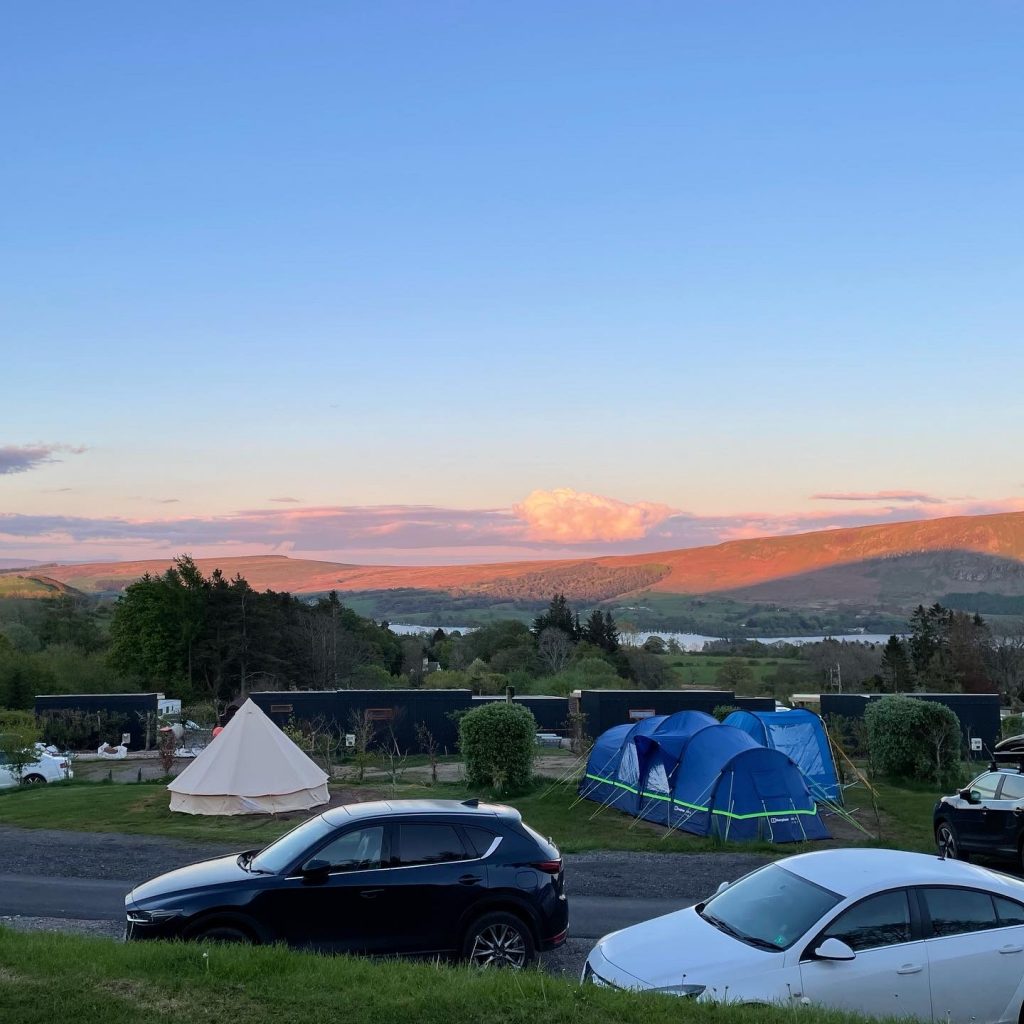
415	282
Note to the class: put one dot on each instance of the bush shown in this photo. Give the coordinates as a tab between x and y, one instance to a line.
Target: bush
1012	726
723	711
498	742
909	738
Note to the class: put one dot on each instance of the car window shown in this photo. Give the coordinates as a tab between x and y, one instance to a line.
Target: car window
985	785
956	911
480	839
429	844
882	920
1008	911
276	857
355	851
770	905
1013	787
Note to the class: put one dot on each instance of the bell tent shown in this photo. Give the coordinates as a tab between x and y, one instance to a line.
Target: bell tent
250	768
801	736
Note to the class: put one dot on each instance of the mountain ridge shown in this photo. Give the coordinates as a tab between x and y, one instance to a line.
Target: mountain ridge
827	559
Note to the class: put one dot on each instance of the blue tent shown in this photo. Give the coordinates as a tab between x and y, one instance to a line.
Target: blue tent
801	736
613	768
701	777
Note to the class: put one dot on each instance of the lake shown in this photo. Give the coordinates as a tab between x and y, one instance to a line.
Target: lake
688	641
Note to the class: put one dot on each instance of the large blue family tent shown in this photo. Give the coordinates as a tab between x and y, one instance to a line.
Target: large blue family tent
688	772
801	736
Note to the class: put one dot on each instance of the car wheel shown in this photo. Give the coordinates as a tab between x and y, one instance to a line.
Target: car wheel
221	933
33	780
948	842
498	940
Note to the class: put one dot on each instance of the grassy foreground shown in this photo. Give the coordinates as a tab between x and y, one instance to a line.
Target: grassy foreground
576	826
47	978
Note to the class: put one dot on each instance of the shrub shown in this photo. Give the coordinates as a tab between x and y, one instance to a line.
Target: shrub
723	711
909	738
1013	725
82	730
498	742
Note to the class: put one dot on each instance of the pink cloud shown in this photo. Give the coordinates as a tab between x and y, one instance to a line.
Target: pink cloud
573	517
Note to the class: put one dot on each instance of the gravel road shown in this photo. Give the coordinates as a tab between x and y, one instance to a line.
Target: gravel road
54	853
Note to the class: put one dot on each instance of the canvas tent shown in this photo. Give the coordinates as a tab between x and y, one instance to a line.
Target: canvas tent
801	736
250	768
703	778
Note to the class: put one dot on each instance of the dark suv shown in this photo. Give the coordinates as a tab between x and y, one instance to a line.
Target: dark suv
986	817
397	877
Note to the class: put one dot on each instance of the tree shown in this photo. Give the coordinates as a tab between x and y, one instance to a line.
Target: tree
734	675
655	645
1006	662
428	744
895	666
910	738
18	737
558	616
555	648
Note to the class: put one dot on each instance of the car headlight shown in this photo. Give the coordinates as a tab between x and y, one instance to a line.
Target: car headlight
152	916
687	991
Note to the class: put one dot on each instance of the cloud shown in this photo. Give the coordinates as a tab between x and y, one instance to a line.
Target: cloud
903	496
168	501
286	500
21	458
572	517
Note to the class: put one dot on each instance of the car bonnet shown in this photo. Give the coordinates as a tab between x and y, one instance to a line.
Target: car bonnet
660	952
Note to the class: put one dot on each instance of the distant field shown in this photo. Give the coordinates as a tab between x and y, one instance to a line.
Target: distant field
702	670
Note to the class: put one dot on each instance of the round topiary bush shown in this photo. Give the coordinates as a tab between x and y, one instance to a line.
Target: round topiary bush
910	738
498	742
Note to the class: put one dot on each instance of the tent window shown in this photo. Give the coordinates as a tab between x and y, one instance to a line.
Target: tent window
636	714
380	714
281	709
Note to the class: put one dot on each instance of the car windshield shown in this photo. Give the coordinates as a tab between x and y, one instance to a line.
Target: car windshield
771	907
291	846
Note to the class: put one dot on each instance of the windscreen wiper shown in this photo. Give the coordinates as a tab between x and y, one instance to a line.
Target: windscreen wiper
751	940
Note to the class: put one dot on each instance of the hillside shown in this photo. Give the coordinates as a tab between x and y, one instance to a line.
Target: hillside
21	585
891	565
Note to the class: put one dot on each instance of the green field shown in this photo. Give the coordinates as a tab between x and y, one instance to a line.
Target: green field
575	825
48	978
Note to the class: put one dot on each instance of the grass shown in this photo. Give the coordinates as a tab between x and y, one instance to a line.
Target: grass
577	826
44	978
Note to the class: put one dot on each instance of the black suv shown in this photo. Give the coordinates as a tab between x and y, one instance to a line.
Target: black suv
397	877
986	817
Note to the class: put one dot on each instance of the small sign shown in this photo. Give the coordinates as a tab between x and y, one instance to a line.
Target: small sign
635	714
350	739
976	744
126	738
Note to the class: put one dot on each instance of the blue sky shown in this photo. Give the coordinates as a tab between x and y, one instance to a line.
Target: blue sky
713	259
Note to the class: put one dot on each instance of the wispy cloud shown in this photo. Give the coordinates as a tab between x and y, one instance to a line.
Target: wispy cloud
16	458
917	497
168	501
286	500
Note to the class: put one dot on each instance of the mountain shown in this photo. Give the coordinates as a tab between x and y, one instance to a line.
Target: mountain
888	566
26	585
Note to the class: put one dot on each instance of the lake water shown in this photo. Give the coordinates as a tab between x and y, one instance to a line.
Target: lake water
688	641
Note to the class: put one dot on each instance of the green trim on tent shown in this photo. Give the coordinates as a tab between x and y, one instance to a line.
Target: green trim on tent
695	807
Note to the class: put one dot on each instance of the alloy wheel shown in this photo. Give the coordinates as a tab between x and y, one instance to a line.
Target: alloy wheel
946	842
499	945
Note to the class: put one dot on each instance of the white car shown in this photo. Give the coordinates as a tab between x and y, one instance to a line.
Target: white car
48	768
881	932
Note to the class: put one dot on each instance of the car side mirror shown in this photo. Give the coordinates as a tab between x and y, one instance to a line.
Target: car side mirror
970	796
834	949
722	888
315	872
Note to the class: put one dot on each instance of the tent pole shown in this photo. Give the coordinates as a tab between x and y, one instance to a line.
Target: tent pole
732	805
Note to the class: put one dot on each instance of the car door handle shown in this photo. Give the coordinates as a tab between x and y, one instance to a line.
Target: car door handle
1012	949
470	879
370	894
910	969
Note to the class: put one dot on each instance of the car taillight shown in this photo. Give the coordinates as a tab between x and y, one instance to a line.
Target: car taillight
62	765
551	867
